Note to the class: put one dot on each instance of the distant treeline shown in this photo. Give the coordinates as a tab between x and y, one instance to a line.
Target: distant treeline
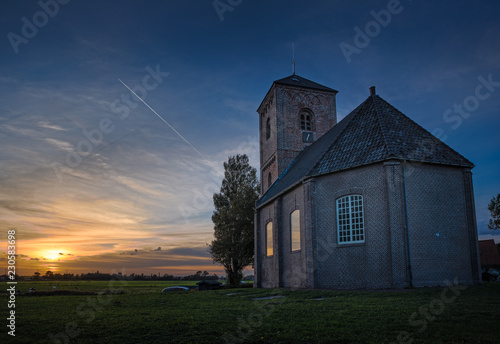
97	276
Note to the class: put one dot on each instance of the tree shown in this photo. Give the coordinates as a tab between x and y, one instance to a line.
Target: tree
233	218
494	208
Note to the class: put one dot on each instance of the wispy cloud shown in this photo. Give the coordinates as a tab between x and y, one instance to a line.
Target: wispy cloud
19	131
50	126
65	146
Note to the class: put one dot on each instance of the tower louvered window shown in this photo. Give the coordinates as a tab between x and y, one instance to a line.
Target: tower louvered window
305	122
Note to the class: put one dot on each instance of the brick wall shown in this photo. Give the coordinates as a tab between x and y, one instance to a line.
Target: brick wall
439	235
285	268
267	268
294	263
441	238
439	232
268	147
282	105
353	266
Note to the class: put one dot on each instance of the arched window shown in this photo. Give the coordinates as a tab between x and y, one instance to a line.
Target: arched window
350	219
268	128
269	180
305	121
295	230
269	239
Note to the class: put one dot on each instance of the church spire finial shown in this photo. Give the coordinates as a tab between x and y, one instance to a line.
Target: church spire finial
293	58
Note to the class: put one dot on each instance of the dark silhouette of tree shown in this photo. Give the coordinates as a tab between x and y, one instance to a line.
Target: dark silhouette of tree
494	208
233	218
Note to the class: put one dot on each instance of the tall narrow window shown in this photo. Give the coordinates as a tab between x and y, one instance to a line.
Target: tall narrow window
268	128
305	121
295	230
269	239
350	219
269	180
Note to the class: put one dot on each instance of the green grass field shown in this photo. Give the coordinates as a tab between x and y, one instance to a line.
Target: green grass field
142	314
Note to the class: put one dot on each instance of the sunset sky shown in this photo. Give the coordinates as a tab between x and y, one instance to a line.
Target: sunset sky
92	179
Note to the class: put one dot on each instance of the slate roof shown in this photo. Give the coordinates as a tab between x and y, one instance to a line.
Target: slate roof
489	253
373	132
295	80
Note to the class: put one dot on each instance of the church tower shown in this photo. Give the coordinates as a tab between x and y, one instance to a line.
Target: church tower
294	113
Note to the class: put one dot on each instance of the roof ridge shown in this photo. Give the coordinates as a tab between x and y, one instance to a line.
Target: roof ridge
382	125
300	81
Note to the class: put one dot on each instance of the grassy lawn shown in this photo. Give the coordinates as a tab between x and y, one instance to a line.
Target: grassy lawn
142	314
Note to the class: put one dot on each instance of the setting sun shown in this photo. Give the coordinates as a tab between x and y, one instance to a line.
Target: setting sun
52	255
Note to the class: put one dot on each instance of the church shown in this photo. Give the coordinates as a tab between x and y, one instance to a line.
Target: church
373	201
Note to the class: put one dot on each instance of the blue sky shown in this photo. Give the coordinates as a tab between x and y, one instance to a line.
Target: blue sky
88	175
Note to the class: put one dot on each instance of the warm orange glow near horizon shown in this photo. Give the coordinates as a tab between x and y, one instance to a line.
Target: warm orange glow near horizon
175	261
29	267
77	253
77	241
52	254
